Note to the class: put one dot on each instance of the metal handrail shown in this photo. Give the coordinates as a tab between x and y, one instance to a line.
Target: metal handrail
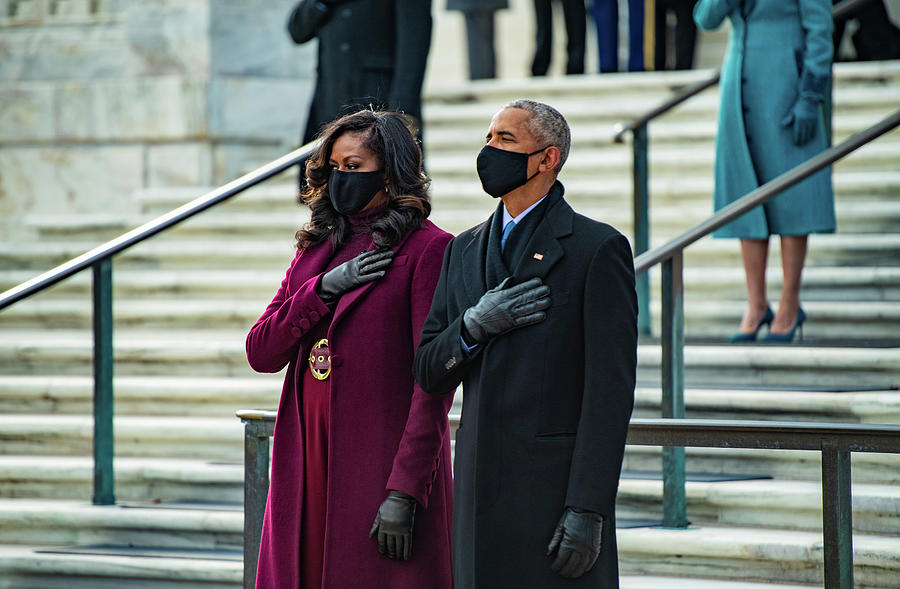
153	227
765	192
835	442
99	260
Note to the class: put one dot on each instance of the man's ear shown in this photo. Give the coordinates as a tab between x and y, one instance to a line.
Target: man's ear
550	160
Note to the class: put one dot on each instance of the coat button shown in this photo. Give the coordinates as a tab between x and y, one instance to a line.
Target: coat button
304	323
314	315
344	47
347	12
296	332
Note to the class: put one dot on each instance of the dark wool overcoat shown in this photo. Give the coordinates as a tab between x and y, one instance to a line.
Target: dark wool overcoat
545	407
385	432
370	52
777	50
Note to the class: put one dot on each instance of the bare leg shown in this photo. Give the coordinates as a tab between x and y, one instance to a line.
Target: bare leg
754	253
793	255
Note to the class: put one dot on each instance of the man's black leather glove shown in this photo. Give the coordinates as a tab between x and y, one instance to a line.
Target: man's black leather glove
365	267
502	309
577	538
394	525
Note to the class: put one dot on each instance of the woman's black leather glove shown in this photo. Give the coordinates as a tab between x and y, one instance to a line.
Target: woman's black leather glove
394	525
502	309
577	538
365	267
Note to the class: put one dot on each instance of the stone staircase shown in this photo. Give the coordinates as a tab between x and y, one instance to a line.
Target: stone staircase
184	301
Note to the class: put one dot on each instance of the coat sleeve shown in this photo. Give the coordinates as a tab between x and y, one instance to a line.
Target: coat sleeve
274	338
413	28
441	363
818	48
305	20
710	14
610	334
419	453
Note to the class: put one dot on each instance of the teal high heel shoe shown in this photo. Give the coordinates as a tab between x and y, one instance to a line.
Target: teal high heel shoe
749	337
786	338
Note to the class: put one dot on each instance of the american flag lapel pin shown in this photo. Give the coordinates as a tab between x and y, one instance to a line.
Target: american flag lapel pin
538	256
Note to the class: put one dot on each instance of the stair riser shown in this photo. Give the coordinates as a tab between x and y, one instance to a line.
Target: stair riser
12	579
229	449
771	570
780	464
808	517
55	534
130	490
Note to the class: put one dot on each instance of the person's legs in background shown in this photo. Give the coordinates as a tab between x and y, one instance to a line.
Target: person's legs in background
606	19
685	34
636	24
576	25
754	254
543	15
480	44
793	256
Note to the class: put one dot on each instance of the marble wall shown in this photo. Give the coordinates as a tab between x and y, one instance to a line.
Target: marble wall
99	98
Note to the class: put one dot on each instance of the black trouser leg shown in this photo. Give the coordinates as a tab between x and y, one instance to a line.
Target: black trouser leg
576	28
543	15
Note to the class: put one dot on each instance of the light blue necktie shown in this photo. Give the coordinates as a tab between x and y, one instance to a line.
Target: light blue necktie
506	232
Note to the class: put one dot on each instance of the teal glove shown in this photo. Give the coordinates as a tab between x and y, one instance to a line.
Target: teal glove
804	116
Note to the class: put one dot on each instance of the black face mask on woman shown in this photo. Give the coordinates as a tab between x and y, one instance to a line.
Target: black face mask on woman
350	192
503	171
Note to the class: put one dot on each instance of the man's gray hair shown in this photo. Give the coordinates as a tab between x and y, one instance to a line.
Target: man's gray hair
547	125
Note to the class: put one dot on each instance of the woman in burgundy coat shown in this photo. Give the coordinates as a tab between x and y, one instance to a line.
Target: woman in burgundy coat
360	494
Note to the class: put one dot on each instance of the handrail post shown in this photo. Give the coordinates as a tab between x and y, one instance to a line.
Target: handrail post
104	477
672	317
256	489
641	221
837	518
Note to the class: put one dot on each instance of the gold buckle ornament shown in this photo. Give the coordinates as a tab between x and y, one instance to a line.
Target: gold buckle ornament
320	360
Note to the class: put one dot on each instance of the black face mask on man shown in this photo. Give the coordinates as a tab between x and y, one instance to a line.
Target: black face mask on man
503	171
350	192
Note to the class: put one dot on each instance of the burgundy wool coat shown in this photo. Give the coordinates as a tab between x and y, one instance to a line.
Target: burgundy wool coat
385	432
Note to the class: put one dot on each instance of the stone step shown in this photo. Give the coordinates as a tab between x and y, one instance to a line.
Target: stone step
221	353
765	503
705	317
62	567
701	283
869	468
141	395
841	249
172	525
143	479
657	582
752	554
211	438
820	406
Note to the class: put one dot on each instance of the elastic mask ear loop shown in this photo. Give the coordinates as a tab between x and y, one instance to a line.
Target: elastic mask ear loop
538	172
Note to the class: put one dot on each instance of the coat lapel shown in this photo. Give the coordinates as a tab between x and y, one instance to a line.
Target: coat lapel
543	250
474	258
349	300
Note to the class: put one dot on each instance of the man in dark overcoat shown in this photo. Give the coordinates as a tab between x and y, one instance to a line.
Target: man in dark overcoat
371	52
539	325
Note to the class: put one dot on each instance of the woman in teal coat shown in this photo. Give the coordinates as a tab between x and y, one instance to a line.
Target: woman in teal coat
775	74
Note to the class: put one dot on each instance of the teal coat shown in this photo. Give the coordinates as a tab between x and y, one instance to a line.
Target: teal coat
777	50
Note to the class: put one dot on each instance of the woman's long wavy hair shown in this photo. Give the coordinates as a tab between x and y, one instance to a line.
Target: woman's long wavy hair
387	135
